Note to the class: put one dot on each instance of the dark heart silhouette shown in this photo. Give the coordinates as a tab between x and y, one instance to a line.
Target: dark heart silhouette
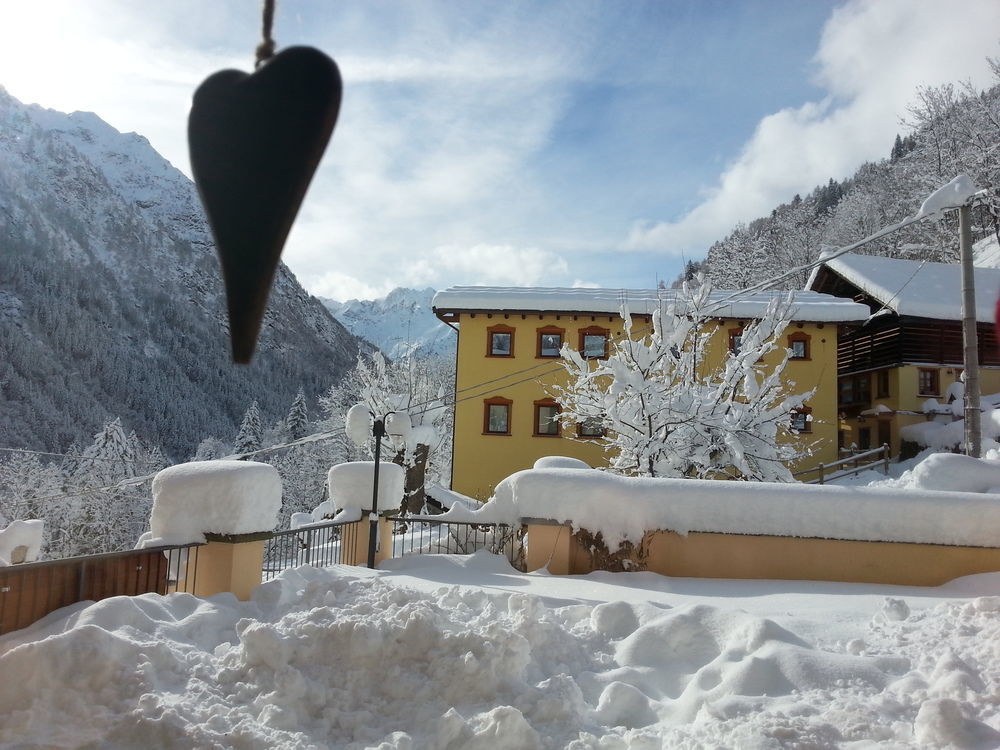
255	142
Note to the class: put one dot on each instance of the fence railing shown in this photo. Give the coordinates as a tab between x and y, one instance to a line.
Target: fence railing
30	591
317	544
862	461
422	535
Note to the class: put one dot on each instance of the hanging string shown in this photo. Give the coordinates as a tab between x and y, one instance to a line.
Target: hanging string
265	50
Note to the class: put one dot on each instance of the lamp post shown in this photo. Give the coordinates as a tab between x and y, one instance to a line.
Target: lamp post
361	420
378	431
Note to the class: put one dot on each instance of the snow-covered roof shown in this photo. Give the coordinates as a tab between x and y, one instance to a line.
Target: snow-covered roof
909	287
809	305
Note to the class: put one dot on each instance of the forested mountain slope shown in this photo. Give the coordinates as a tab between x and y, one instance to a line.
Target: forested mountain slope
953	130
111	300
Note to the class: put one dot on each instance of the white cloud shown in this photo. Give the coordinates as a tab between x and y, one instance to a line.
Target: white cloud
872	57
497	265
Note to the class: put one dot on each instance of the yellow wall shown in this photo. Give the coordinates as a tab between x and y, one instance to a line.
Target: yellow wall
903	395
708	555
480	460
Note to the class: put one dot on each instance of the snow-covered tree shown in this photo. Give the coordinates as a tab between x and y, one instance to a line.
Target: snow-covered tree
251	431
415	387
99	515
297	420
668	412
30	488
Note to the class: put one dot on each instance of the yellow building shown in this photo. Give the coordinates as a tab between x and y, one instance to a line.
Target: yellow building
508	352
910	349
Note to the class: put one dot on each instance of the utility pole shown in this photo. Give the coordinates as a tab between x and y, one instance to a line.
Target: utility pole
973	434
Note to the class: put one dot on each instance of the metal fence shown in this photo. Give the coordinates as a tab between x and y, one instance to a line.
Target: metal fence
422	535
317	544
30	591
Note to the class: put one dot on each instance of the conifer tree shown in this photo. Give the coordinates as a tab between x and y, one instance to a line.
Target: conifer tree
251	431
298	418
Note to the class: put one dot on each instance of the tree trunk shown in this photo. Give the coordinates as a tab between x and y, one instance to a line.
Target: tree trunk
413	489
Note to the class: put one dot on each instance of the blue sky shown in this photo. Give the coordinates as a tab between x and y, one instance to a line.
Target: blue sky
526	143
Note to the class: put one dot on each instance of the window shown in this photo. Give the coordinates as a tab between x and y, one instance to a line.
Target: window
500	341
594	342
546	418
928	383
550	341
882	384
854	390
735	340
799	344
590	427
802	419
496	416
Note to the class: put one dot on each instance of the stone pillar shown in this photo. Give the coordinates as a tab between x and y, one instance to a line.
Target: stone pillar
354	538
549	546
228	562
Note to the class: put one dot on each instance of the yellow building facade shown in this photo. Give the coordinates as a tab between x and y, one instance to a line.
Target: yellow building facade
507	361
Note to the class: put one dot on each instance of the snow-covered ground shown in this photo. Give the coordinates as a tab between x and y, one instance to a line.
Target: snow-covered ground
443	652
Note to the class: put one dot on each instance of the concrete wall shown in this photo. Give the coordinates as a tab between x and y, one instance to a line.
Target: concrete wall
705	555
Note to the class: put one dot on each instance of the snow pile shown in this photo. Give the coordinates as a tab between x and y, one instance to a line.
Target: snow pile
624	508
354	659
217	497
350	487
951	435
560	462
951	471
20	542
956	193
449	498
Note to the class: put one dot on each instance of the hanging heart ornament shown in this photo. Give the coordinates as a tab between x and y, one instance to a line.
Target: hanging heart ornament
255	141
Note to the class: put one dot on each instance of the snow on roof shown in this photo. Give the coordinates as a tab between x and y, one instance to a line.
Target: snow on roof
925	290
809	305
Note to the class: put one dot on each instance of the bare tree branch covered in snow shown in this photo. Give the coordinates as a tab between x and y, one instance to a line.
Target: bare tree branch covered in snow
668	413
416	387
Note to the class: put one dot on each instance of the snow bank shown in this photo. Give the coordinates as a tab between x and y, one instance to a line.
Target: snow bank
624	508
951	471
218	497
951	435
350	486
341	658
21	542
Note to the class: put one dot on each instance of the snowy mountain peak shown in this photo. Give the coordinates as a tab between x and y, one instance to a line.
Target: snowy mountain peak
398	323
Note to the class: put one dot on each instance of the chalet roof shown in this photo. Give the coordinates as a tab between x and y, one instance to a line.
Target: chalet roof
909	287
809	305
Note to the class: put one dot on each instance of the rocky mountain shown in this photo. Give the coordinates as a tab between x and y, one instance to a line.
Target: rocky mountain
111	300
398	323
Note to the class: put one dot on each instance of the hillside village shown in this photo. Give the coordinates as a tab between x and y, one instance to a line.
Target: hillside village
753	506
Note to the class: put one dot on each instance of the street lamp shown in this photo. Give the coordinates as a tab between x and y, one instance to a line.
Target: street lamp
359	418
